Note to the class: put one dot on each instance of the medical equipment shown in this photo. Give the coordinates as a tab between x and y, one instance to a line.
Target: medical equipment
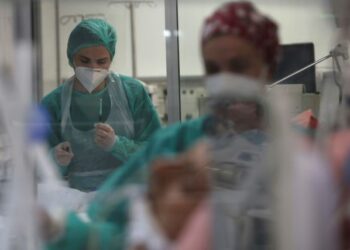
330	109
341	50
293	57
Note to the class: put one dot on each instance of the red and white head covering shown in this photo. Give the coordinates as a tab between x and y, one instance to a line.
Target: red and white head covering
241	19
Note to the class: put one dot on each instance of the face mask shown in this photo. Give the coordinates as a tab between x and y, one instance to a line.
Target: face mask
227	85
90	77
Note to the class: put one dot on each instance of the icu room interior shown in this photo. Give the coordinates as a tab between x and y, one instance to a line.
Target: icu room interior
77	112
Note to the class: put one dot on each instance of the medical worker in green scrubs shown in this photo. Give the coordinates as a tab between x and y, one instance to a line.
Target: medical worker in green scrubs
98	117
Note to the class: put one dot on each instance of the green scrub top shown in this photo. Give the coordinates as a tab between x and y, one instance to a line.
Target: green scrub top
145	118
107	227
85	109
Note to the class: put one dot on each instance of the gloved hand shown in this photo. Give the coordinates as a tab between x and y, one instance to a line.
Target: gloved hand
104	136
63	153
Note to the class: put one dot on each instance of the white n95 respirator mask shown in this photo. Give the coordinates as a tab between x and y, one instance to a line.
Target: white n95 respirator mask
226	85
236	99
90	78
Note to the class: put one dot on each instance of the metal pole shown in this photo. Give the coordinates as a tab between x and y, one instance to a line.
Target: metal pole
37	49
58	57
172	61
130	4
300	70
133	43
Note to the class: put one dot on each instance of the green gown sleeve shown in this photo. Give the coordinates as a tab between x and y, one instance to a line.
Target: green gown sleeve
145	118
52	103
91	235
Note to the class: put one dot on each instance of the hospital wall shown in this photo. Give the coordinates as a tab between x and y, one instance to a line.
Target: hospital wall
7	42
300	21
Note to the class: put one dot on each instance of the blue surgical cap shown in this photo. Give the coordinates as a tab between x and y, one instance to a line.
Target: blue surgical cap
90	33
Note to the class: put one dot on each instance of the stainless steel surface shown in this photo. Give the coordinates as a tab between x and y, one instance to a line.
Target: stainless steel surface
172	60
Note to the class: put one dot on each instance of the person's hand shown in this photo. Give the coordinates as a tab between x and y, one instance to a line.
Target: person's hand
105	136
48	227
63	153
45	224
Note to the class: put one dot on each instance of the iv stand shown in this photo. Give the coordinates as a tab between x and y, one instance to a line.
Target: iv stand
339	50
130	5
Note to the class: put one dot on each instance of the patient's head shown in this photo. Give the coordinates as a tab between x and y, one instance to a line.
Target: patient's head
177	186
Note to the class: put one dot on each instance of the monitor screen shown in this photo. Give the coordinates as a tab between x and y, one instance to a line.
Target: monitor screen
293	58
